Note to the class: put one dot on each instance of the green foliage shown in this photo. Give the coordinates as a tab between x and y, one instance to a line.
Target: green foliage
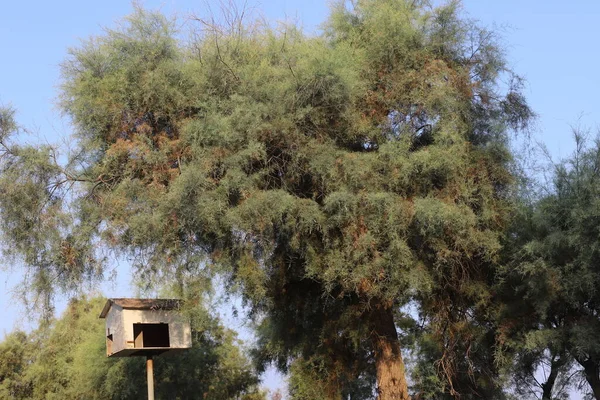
313	380
67	360
16	351
7	122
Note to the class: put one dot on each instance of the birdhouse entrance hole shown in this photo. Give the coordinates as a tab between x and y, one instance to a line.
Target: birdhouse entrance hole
151	335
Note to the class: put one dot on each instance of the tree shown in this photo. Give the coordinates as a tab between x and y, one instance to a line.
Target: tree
333	179
67	360
558	265
531	330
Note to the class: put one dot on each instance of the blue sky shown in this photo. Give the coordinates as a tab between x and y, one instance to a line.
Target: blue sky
553	44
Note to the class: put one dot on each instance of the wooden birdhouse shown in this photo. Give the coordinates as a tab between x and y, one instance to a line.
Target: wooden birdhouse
145	327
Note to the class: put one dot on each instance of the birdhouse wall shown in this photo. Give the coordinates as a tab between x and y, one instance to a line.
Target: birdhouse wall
115	327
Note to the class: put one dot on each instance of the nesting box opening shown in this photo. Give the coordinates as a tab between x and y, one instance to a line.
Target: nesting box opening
151	335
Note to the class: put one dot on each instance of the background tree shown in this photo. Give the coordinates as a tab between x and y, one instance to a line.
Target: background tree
547	290
559	262
67	360
16	354
532	336
334	179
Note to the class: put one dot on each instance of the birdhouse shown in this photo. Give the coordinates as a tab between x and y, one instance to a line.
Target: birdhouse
145	327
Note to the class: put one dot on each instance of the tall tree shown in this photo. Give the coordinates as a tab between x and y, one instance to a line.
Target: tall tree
334	179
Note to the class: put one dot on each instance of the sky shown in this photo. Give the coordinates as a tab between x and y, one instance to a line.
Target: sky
551	43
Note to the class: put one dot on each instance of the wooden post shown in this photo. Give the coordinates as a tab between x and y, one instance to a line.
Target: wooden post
150	377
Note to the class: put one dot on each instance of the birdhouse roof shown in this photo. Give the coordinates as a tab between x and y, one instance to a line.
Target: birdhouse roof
141	304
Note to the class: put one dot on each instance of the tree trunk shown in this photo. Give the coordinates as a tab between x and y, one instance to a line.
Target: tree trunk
549	384
592	376
391	378
556	363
